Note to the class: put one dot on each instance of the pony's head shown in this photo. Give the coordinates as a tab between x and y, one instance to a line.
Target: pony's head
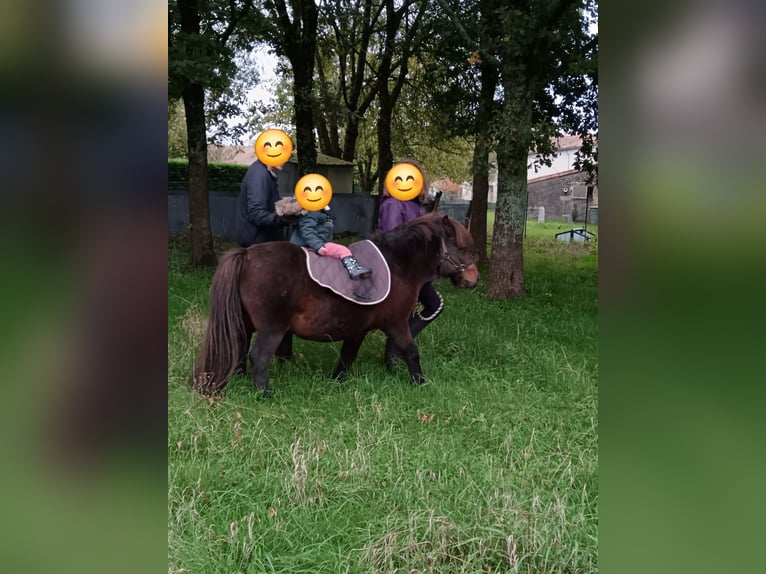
458	255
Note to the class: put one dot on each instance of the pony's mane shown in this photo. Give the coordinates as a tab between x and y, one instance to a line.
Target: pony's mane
421	231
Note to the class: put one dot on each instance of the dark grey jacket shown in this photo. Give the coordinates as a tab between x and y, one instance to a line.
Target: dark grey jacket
256	220
314	229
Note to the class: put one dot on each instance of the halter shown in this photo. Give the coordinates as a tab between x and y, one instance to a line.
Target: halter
449	259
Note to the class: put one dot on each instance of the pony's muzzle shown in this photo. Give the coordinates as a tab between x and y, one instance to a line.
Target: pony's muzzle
468	278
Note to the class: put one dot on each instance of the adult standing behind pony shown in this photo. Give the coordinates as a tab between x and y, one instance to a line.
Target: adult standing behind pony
405	192
256	220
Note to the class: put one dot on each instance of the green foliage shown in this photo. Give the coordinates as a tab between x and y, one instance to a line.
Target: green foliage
419	130
208	45
489	467
443	158
205	55
278	112
221	176
177	146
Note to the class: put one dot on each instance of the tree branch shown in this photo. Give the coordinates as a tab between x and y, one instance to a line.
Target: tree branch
464	35
235	19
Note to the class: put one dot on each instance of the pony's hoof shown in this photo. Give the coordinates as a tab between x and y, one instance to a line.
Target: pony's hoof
391	355
418	379
391	361
264	393
338	376
240	371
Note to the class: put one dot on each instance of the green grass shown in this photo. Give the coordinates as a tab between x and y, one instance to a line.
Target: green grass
489	467
545	230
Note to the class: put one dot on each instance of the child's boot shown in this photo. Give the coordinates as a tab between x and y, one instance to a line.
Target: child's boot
355	271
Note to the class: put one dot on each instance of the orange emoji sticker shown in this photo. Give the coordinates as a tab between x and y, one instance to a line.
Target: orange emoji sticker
273	147
313	192
404	181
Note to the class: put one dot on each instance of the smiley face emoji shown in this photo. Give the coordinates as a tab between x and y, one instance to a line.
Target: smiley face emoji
404	181
273	147
313	192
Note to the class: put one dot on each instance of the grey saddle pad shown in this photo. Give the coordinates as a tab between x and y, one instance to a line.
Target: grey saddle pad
330	272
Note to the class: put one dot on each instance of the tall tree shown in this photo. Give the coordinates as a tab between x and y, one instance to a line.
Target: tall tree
327	109
482	147
399	43
204	35
293	35
420	129
469	95
353	27
370	44
545	58
543	42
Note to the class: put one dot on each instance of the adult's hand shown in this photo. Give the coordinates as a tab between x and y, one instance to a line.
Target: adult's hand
288	219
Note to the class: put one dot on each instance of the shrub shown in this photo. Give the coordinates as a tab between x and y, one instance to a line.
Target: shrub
221	176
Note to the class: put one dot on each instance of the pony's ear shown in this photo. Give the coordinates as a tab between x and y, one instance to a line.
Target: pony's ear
448	226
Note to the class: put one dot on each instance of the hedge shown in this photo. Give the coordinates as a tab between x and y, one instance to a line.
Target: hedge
221	176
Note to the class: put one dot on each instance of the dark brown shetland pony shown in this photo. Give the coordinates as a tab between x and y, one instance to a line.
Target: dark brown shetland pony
266	288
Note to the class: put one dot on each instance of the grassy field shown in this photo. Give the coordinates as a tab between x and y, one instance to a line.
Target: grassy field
545	230
491	466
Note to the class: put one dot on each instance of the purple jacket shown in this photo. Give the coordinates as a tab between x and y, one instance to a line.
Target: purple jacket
393	212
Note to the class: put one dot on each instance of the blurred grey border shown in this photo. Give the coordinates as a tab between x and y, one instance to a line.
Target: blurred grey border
682	271
83	245
82	239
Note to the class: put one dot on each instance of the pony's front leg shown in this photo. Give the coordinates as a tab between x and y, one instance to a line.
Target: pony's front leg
348	353
260	358
410	354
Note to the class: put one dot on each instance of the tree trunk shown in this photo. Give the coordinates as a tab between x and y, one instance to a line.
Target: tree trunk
367	176
506	267
324	114
350	137
477	212
323	133
297	38
385	156
388	95
304	118
478	209
200	236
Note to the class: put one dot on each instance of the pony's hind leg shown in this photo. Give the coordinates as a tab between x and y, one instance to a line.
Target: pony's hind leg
285	350
244	345
260	358
348	353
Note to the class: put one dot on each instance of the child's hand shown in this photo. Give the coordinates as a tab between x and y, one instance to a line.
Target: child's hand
322	251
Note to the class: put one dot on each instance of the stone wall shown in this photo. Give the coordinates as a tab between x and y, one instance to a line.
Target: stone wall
549	193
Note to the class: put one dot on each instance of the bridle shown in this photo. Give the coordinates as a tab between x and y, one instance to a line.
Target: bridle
459	267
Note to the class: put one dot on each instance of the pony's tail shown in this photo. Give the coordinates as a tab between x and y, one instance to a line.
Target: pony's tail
222	349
